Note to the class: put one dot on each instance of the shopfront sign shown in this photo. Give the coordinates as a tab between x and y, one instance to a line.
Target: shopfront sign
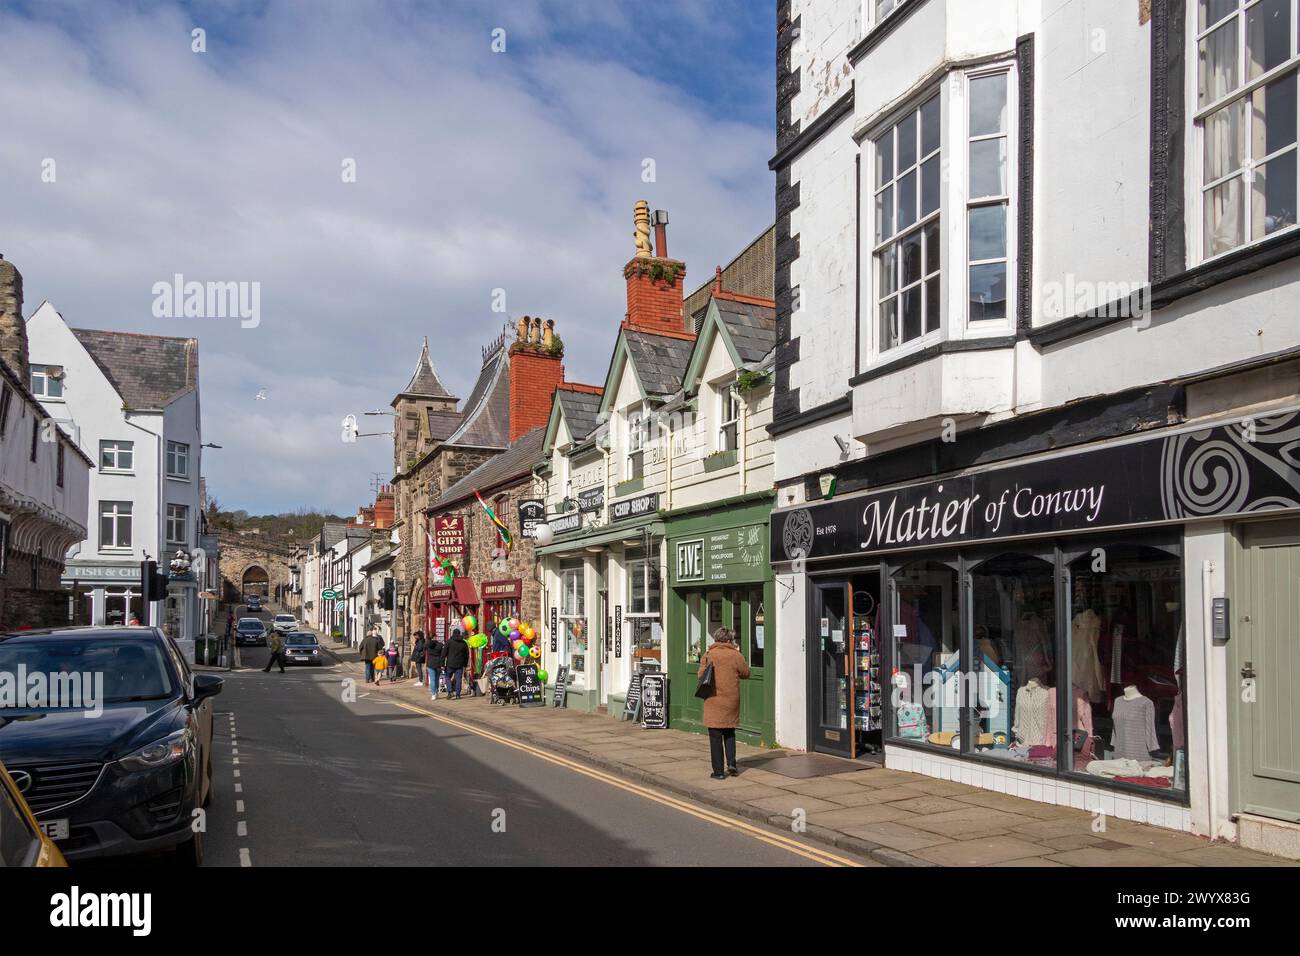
618	630
723	556
102	572
562	524
555	629
501	590
449	534
531	691
440	594
654	701
637	507
532	512
591	499
1240	468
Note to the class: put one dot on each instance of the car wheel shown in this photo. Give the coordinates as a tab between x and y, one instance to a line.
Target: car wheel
190	853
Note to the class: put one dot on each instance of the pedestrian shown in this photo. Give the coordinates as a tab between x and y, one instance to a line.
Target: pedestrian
435	653
370	646
277	653
394	662
722	707
415	666
230	623
457	658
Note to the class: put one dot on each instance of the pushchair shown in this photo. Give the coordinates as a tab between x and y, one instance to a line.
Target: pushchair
501	681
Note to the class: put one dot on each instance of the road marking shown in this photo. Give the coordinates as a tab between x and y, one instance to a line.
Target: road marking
244	858
789	844
236	774
241	828
236	761
239	806
239	788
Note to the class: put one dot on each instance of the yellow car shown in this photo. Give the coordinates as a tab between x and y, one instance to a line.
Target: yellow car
22	841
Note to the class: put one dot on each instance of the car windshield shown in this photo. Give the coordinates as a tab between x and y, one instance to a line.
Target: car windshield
284	617
131	669
250	625
300	639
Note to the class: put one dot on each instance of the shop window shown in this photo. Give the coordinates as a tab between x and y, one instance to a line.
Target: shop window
642	619
927	672
1013	686
573	621
757	630
1127	665
695	607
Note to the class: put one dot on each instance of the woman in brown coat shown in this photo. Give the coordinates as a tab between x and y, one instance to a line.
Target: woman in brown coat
722	708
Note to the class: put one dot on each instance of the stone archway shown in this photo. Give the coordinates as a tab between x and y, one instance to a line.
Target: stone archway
253	566
255	580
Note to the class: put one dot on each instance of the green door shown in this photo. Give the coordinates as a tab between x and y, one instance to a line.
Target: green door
1268	652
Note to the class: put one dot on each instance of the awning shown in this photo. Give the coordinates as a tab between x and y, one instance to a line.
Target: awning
463	591
608	535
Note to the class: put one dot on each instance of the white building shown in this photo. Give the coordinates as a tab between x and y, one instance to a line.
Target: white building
1036	285
131	402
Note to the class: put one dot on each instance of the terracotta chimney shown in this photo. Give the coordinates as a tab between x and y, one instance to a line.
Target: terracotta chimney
384	507
13	330
654	282
536	369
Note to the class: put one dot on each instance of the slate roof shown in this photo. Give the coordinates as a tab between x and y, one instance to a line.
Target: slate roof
752	327
581	411
660	360
485	420
443	424
424	381
332	533
515	462
148	371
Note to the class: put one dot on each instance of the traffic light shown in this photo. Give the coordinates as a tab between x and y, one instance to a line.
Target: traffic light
386	593
153	584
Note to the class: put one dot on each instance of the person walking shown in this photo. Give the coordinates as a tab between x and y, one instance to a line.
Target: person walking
394	661
370	647
457	658
722	708
277	653
415	666
435	654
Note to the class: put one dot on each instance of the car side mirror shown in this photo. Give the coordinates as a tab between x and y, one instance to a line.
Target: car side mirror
205	686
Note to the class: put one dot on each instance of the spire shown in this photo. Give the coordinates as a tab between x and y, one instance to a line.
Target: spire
424	380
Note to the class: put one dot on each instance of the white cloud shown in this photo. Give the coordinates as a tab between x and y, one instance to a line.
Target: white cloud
475	171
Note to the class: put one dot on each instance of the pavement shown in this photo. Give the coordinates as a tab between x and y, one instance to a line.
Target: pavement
888	816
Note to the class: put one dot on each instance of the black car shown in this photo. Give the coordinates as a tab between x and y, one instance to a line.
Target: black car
119	765
251	630
301	648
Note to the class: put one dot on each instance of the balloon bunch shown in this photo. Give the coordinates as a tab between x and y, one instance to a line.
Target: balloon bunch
522	638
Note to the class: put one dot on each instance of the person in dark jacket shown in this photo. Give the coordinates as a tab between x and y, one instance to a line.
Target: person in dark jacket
415	666
371	645
435	653
457	658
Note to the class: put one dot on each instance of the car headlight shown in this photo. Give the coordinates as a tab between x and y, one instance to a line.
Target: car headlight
160	753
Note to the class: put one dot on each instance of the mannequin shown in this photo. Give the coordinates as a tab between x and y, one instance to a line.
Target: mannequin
1033	722
1134	736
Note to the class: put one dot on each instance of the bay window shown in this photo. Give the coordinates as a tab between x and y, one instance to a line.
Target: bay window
1247	52
988	199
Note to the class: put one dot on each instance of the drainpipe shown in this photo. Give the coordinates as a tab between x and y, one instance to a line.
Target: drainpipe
1207	643
742	446
666	429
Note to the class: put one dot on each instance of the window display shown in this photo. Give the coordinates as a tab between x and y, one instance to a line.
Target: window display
642	619
573	621
926	653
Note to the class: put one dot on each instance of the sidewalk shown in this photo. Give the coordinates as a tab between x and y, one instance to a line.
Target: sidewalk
895	818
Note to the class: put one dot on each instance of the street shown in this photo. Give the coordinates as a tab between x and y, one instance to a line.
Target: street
303	778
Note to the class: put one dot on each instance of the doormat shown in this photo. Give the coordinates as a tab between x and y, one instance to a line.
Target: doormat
803	766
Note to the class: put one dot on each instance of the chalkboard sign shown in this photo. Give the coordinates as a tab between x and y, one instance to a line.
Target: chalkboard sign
654	701
531	691
632	706
561	678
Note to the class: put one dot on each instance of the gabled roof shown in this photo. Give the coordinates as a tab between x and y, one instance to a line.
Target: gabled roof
514	463
443	424
746	326
148	371
657	361
580	409
485	420
424	381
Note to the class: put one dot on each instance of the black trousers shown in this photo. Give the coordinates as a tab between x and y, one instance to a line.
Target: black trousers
718	739
277	657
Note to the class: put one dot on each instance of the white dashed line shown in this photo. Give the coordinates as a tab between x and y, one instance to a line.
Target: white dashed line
236	774
244	858
236	761
239	788
241	829
239	806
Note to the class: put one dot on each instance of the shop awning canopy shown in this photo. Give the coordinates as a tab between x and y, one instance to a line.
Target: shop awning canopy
463	592
607	535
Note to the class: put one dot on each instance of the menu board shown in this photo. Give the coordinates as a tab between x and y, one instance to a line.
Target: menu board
531	691
654	701
632	705
561	680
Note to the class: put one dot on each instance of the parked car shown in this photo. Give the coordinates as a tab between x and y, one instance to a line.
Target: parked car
254	603
301	648
285	623
25	842
129	780
250	630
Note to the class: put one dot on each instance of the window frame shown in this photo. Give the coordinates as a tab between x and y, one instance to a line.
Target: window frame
116	514
1196	188
43	371
183	518
6	403
117	446
637	432
728	400
173	451
976	327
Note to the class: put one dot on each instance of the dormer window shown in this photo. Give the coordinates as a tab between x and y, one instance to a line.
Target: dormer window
728	418
638	436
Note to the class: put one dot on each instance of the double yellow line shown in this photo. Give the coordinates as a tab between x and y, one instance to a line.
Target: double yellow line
791	845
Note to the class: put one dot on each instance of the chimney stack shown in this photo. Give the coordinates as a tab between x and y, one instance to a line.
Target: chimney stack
654	282
536	370
13	330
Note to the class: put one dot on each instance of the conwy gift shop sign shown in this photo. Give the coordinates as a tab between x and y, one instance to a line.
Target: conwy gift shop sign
1238	468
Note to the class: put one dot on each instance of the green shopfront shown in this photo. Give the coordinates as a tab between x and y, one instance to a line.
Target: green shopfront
720	576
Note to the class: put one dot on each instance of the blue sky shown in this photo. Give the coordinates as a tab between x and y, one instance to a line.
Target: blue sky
475	170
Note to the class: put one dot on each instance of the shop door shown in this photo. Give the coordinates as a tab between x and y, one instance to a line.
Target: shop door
1268	651
749	618
828	666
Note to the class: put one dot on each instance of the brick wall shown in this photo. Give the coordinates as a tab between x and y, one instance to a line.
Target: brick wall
534	375
655	304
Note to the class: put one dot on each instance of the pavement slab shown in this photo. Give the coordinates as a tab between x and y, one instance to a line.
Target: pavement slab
983	852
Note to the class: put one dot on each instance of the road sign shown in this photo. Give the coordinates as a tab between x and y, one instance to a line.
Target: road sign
328	594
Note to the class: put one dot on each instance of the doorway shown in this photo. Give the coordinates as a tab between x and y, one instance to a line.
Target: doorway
844	662
1265	662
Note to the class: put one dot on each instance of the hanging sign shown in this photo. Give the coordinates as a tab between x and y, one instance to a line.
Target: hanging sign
654	701
449	534
532	512
531	691
637	507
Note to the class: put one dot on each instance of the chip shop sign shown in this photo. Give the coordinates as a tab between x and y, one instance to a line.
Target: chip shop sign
1237	468
449	534
636	507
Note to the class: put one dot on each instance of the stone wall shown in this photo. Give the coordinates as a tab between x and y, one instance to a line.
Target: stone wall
46	604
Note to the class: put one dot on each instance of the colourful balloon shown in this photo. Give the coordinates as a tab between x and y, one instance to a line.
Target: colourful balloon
534	652
543	676
515	635
469	621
